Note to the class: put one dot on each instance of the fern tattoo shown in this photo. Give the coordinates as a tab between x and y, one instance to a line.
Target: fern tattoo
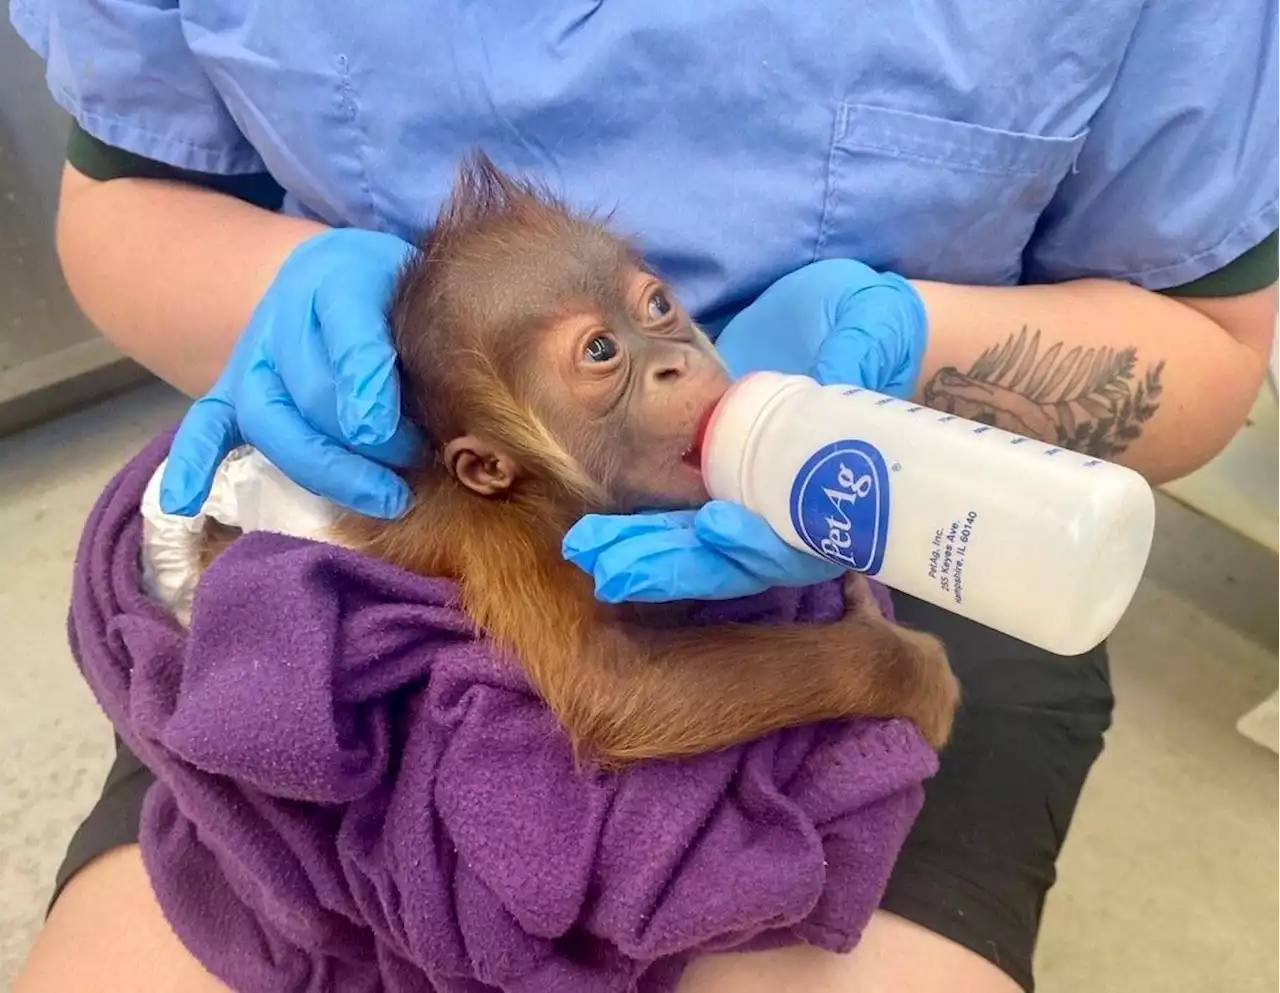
1089	399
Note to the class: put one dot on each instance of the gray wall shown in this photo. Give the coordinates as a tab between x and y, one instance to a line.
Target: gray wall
51	358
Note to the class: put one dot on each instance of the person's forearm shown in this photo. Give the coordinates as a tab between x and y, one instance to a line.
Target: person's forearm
1097	366
169	272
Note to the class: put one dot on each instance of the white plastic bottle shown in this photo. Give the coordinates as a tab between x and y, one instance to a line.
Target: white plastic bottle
1039	542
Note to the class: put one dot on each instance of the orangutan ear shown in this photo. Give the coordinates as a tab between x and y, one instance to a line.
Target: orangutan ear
481	466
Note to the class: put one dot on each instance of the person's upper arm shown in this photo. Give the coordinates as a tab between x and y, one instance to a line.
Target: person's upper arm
123	70
1178	175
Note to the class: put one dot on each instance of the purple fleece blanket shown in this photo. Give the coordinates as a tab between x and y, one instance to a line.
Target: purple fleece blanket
356	793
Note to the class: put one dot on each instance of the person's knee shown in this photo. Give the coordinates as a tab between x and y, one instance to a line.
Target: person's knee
894	956
107	934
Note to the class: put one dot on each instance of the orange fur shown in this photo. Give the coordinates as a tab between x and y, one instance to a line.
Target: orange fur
625	690
215	538
627	683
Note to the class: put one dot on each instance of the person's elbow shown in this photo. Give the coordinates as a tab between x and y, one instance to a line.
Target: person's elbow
1248	322
77	240
1248	319
1234	370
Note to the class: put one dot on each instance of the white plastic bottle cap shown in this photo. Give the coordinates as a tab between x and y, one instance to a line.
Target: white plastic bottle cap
728	439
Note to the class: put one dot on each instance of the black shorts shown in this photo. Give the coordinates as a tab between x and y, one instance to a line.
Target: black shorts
980	857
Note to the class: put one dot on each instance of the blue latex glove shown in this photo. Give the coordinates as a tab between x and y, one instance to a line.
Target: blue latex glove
311	383
836	320
719	552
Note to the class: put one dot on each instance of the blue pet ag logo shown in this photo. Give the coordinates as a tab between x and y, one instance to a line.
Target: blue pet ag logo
840	504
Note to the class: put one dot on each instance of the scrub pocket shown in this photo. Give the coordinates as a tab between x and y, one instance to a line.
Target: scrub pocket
973	194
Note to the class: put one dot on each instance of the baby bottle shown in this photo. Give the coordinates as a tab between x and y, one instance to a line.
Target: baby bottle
1036	541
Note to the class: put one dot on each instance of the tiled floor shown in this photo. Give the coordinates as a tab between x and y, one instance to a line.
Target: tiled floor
1169	880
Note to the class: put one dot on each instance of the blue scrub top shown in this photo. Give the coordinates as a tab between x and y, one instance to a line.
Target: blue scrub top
968	141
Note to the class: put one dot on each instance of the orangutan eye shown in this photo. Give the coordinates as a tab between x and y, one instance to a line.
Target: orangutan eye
601	348
659	306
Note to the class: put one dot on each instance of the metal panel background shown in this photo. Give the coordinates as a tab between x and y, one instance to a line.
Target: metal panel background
51	359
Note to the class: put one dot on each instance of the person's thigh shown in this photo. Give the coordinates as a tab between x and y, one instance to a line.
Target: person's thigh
894	956
107	934
981	857
962	910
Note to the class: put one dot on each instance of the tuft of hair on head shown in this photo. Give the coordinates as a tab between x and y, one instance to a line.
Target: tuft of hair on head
503	257
485	201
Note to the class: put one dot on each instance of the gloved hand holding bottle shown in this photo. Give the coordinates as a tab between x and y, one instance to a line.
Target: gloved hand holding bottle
311	383
836	320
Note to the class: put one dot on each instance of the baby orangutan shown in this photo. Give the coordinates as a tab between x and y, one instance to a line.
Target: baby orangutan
557	376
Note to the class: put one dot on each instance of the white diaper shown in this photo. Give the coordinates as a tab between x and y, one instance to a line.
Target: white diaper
248	493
